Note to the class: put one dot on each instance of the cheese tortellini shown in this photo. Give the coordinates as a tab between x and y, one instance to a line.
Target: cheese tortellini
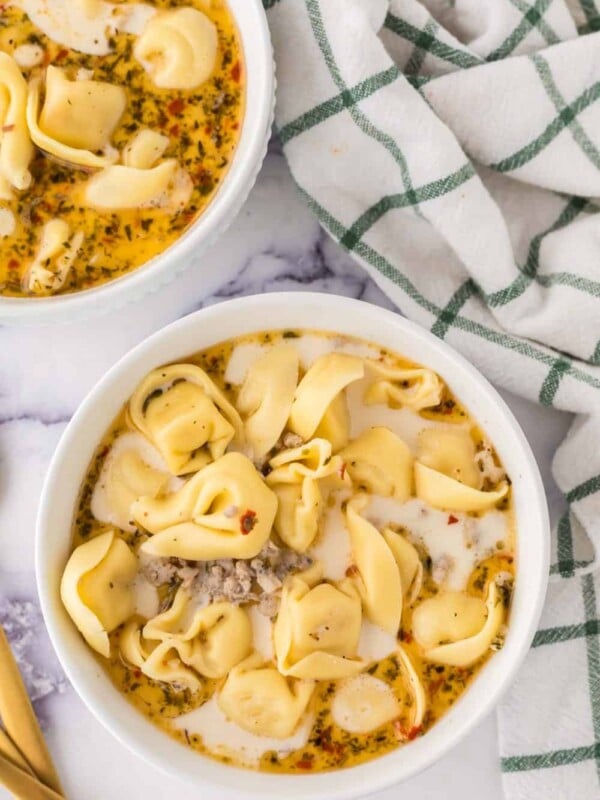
163	661
224	511
77	118
457	629
379	577
262	701
319	400
144	150
56	254
296	478
451	452
16	149
178	48
381	463
97	588
266	396
218	636
441	491
185	415
120	187
411	387
363	703
317	629
128	473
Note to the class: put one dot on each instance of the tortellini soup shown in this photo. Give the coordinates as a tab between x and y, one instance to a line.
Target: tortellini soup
118	121
293	551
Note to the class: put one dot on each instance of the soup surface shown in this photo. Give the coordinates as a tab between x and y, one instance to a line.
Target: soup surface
123	119
293	552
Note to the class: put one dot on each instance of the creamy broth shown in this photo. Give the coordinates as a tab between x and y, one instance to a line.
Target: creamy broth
410	662
195	131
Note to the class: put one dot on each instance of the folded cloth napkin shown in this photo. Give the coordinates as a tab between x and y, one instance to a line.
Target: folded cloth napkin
453	147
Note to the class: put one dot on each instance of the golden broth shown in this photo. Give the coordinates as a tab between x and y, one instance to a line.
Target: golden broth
203	126
328	746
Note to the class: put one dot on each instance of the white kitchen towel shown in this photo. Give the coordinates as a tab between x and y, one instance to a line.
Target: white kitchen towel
453	147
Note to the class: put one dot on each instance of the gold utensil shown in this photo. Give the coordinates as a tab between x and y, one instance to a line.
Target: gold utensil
26	768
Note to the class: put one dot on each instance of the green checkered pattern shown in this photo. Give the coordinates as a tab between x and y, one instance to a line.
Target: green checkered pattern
458	161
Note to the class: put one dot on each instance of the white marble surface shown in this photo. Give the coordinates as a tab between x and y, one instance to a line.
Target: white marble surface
275	244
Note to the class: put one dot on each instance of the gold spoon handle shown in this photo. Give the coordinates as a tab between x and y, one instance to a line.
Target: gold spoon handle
24	785
20	722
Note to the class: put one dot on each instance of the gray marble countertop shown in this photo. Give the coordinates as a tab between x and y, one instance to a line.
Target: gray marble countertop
275	244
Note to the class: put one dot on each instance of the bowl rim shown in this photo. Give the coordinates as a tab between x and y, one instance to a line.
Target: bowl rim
250	151
473	705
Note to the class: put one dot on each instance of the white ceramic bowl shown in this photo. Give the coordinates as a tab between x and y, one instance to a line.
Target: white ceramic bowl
246	163
198	331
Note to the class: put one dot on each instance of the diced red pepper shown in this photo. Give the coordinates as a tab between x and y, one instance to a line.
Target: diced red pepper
236	72
176	106
452	520
247	522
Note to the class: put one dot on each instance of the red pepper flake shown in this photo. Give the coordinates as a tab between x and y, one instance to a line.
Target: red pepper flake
175	107
236	72
352	571
435	686
13	264
406	636
452	520
137	673
174	130
7	128
61	54
247	521
304	763
415	731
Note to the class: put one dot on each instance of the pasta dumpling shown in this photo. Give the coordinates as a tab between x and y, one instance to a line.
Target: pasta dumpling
408	562
261	701
363	703
317	629
322	384
219	635
163	186
295	480
441	491
76	119
412	387
178	48
16	149
185	415
379	576
451	452
266	396
56	254
380	462
224	511
125	476
97	588
416	687
159	660
145	149
456	629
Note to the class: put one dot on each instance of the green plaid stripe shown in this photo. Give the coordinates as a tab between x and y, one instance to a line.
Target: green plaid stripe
346	99
552	382
427	192
564	543
565	633
448	314
584	489
558	124
544	27
529	271
556	758
426	41
579	135
387	269
592	15
531	19
595	359
593	657
419	54
361	120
